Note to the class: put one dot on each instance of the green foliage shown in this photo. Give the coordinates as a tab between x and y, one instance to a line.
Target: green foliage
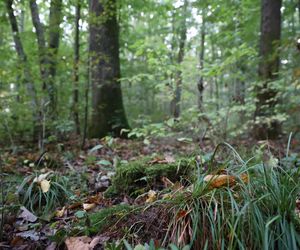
34	198
149	45
151	246
106	217
254	214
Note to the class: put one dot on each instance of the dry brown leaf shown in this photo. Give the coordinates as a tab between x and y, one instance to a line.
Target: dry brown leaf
78	243
221	180
45	185
75	205
17	241
95	199
88	206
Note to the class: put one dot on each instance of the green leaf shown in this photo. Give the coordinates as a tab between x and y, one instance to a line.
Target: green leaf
127	245
97	147
184	139
104	163
80	214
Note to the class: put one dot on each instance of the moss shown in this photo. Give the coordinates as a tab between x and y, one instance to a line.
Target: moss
139	174
107	217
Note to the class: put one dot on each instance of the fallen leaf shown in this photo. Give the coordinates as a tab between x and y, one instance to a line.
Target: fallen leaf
98	240
80	214
221	180
45	186
42	177
88	206
95	199
75	205
60	213
30	234
27	215
78	243
216	181
170	158
17	241
151	196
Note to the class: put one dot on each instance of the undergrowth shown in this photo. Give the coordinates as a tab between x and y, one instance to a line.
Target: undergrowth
256	214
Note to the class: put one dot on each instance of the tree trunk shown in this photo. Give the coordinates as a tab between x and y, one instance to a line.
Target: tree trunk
268	70
47	56
40	35
299	9
27	78
201	61
76	73
175	103
108	115
53	43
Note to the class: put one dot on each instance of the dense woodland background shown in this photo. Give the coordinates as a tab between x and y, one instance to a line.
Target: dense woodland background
222	69
207	92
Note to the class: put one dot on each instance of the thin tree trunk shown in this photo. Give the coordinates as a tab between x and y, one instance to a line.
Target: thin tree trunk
86	102
201	61
27	78
215	82
41	41
175	103
108	116
76	68
268	70
299	9
53	43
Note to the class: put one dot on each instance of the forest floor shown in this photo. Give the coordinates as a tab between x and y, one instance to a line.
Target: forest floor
59	199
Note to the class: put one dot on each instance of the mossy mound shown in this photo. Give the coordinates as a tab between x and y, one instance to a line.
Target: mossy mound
139	176
107	217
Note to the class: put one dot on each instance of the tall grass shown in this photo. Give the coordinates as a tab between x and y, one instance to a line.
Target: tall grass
259	214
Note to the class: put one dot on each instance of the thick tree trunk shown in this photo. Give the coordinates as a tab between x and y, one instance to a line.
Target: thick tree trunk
76	73
108	115
27	78
175	103
53	43
200	84
268	69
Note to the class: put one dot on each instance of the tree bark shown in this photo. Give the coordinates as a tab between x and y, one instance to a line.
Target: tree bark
75	72
299	9
47	55
39	30
27	78
108	115
175	103
53	43
200	84
268	70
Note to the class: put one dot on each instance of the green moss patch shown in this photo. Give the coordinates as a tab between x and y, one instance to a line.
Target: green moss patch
107	217
140	176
